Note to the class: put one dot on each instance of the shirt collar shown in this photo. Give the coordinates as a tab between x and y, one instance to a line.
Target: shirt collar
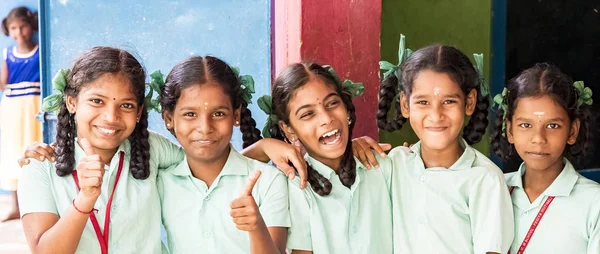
561	186
236	164
325	170
465	161
123	147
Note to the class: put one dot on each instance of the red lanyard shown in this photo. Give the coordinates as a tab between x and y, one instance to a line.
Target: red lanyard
535	223
103	238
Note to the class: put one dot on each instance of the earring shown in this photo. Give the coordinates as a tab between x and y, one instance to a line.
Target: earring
293	140
168	125
349	121
237	122
137	119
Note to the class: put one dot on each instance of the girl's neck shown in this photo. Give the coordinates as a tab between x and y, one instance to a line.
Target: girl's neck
207	171
106	155
536	181
331	163
25	48
441	157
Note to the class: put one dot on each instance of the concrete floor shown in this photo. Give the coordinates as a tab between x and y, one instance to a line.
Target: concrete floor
12	239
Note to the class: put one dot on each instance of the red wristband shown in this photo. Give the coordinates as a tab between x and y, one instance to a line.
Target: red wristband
91	211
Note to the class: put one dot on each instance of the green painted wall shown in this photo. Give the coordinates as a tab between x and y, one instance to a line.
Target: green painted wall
465	24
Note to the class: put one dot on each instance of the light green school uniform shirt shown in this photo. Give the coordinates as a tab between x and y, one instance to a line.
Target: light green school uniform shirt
135	209
462	209
571	223
197	218
348	220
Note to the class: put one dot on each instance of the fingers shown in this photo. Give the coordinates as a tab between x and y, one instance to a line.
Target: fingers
385	147
287	170
22	162
86	146
375	146
300	165
247	190
359	147
40	152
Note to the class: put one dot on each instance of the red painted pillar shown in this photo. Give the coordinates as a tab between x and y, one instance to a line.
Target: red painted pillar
342	33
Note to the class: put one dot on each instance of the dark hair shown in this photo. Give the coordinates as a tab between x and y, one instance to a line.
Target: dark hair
442	59
22	13
198	70
88	67
291	79
537	81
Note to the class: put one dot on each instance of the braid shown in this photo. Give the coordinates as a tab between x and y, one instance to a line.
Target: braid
139	163
250	134
347	171
583	144
65	142
477	125
4	27
320	184
500	145
387	95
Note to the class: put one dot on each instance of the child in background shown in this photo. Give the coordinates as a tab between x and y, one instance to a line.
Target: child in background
20	81
544	118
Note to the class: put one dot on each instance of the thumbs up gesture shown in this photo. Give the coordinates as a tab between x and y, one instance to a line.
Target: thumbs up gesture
90	171
244	210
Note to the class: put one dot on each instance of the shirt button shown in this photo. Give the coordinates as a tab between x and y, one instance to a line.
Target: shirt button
355	229
206	234
423	178
207	198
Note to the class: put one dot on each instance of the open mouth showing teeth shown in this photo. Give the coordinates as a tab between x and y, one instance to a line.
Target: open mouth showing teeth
106	131
330	137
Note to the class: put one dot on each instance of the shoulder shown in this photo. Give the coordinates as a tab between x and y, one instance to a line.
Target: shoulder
589	189
484	167
269	174
158	139
38	169
400	154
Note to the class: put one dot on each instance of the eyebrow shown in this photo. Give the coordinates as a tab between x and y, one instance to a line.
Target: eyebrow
309	105
556	119
220	107
423	96
104	97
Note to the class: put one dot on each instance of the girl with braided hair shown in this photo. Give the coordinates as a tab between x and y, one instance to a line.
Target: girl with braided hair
105	166
202	100
545	119
345	208
447	197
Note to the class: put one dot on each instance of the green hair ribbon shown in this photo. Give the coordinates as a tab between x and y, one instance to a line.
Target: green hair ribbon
247	85
501	103
52	102
354	89
584	94
483	86
157	82
390	68
265	103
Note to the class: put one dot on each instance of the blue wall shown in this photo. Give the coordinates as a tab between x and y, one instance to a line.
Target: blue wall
162	33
